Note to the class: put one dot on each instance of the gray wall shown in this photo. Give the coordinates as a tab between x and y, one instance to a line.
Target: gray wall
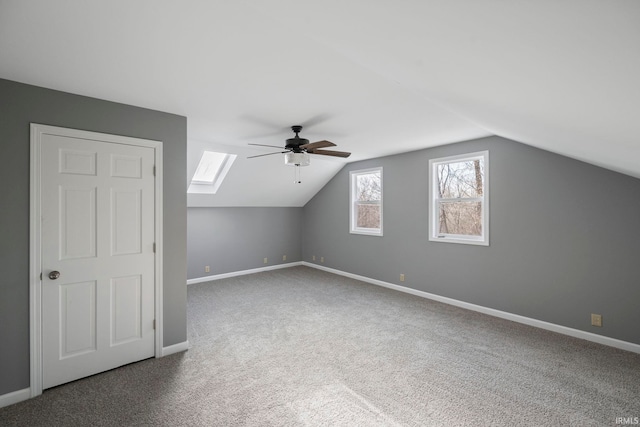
19	106
564	237
236	239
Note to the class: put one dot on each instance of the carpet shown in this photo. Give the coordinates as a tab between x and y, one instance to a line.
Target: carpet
303	347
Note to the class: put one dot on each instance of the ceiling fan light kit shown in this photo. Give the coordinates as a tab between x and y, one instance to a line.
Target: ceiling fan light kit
296	159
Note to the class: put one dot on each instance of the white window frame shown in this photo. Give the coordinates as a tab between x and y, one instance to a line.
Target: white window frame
211	186
434	202
353	228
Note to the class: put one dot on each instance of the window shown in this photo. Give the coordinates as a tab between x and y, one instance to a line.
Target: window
366	201
210	173
458	199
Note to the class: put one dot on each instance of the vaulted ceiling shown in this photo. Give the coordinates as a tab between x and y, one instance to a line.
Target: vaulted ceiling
375	77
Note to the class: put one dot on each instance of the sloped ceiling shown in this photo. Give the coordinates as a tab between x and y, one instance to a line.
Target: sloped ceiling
376	78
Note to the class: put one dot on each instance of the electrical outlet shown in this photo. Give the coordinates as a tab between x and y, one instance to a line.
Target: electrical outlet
402	277
596	320
321	259
284	257
265	260
313	258
207	269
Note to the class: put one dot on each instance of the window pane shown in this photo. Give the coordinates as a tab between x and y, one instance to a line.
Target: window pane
460	218
368	187
461	179
209	165
367	216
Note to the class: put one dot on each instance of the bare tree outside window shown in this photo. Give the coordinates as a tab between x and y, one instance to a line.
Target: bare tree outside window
458	198
456	182
366	199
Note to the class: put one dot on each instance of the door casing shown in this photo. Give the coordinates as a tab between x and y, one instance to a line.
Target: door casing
35	238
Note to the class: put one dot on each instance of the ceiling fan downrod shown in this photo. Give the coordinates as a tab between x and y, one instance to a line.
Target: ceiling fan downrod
294	143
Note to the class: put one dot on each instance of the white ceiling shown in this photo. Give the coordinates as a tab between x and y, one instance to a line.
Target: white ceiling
375	77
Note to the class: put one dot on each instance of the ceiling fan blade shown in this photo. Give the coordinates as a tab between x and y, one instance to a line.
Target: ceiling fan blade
318	144
330	153
258	120
315	120
268	154
263	145
262	135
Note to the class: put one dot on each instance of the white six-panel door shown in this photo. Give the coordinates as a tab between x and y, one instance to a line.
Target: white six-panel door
97	231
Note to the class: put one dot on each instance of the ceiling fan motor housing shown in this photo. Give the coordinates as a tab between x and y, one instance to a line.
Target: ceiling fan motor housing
295	143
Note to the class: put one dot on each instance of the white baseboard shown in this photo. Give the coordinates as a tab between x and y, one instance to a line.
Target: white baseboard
25	394
176	348
600	339
241	273
15	397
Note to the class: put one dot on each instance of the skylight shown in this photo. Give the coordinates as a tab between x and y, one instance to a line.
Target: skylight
210	173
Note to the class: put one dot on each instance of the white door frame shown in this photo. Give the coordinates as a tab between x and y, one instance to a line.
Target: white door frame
35	238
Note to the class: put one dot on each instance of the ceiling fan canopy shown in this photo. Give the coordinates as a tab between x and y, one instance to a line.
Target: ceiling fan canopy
297	149
295	142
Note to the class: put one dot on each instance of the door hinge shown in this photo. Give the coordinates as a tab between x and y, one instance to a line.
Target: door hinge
154	247
154	170
154	324
41	276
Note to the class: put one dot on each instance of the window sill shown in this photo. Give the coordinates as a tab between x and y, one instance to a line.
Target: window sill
366	232
460	240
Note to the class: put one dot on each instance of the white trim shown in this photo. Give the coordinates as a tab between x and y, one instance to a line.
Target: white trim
159	210
35	242
35	263
176	348
600	339
434	236
242	273
14	397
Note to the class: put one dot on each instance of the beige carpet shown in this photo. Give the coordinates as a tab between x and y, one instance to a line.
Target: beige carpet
300	346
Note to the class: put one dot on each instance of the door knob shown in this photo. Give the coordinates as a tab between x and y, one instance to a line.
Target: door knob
54	275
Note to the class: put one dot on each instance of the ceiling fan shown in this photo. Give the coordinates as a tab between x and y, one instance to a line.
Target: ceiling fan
297	150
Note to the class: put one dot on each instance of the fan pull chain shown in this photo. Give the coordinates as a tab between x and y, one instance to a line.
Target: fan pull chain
296	174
